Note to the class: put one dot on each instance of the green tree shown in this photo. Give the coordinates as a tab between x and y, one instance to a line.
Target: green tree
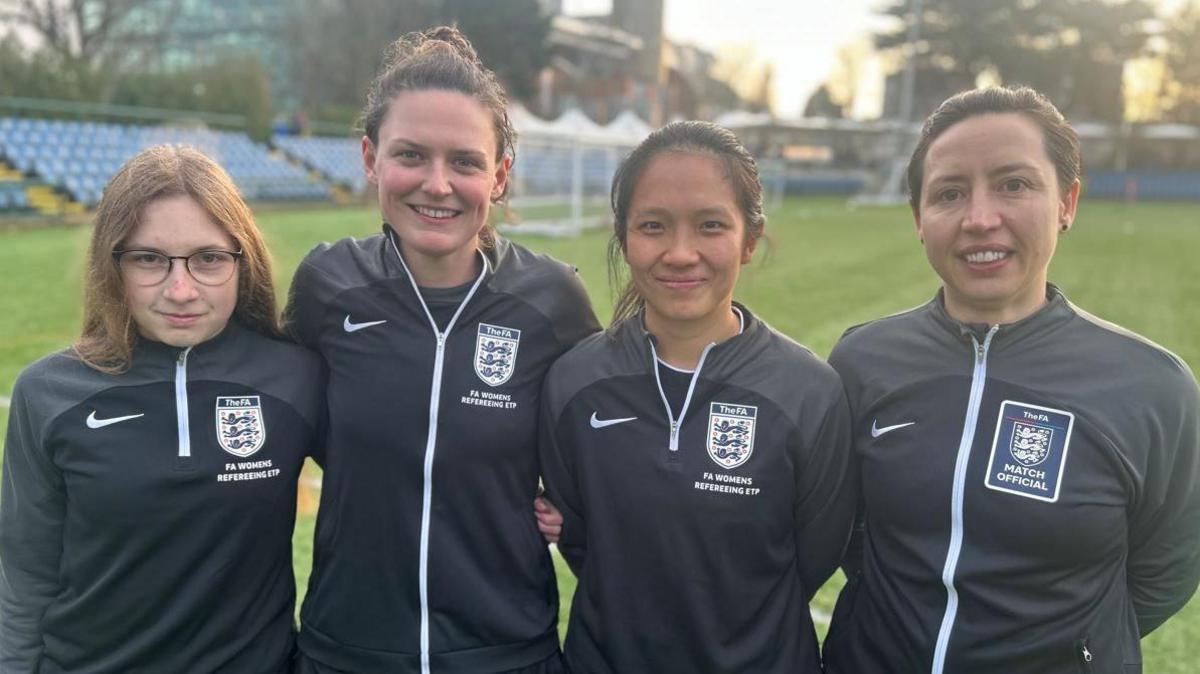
338	45
510	37
1182	59
1072	50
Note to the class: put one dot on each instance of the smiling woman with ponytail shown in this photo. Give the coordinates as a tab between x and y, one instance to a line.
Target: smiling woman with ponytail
437	333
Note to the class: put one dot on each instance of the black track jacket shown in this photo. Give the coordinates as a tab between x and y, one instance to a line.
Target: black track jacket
1031	494
146	518
427	555
698	543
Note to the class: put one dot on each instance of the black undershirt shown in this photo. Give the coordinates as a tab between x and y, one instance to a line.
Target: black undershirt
674	386
443	302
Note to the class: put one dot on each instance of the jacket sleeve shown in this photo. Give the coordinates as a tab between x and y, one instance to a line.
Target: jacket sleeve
558	477
1164	543
32	510
575	318
302	315
826	494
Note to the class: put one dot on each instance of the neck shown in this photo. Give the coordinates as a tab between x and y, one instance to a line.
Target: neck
446	271
680	342
1004	313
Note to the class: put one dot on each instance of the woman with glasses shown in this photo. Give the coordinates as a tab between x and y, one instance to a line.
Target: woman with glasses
149	484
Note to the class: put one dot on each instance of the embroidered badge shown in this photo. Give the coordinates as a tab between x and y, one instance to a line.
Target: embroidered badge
240	427
730	433
1029	451
496	353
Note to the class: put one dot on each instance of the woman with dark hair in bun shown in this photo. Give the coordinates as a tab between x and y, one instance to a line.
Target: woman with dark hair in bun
437	333
1030	473
699	458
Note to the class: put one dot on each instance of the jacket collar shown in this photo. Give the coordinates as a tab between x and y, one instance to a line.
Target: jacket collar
633	331
493	256
159	351
1056	311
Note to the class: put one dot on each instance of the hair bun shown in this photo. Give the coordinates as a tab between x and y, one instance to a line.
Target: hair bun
452	36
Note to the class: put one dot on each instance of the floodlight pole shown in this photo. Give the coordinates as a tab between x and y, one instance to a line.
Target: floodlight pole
908	94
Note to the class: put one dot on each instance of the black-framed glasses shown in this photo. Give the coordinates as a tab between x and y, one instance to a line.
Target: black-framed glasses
151	267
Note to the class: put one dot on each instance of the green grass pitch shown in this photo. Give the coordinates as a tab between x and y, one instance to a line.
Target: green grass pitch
824	268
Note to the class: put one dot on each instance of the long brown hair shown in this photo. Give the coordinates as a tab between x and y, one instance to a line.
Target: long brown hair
690	136
109	334
441	58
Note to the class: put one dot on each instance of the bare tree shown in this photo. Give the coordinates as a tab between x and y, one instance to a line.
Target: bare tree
97	32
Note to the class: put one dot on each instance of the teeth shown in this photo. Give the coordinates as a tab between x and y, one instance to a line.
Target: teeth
434	212
986	256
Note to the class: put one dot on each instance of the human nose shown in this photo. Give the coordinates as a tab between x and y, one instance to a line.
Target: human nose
437	180
983	213
180	286
681	249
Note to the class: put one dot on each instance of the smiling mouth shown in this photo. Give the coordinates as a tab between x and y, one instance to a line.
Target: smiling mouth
434	213
181	319
681	283
986	256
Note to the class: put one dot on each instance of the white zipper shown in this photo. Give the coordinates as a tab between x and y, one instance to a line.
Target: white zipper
181	403
431	442
676	424
956	499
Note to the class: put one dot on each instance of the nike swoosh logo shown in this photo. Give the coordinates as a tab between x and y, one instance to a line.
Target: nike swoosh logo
93	422
355	327
876	431
601	423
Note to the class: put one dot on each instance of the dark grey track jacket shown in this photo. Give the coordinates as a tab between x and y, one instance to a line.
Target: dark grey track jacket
1031	494
427	555
700	558
146	518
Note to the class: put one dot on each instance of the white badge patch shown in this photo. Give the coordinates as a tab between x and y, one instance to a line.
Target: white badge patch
496	353
240	427
730	433
1029	452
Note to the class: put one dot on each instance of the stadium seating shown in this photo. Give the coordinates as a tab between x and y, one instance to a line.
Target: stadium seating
1144	185
80	157
338	160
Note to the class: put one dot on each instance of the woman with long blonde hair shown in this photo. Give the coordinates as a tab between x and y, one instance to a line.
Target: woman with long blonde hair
150	469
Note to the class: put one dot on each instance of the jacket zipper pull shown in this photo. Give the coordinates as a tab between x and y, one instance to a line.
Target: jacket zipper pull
1085	655
674	431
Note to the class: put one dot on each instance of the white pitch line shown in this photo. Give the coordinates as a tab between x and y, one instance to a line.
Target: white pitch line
5	401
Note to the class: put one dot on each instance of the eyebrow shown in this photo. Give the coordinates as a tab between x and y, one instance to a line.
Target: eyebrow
405	142
660	211
152	249
1011	167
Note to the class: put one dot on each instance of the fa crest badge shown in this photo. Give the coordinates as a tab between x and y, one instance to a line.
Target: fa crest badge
240	428
730	433
1030	444
496	353
1029	451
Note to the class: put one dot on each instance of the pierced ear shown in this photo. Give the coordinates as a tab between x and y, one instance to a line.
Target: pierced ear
1067	206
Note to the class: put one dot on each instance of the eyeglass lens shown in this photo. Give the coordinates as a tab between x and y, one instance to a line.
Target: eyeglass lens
209	267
